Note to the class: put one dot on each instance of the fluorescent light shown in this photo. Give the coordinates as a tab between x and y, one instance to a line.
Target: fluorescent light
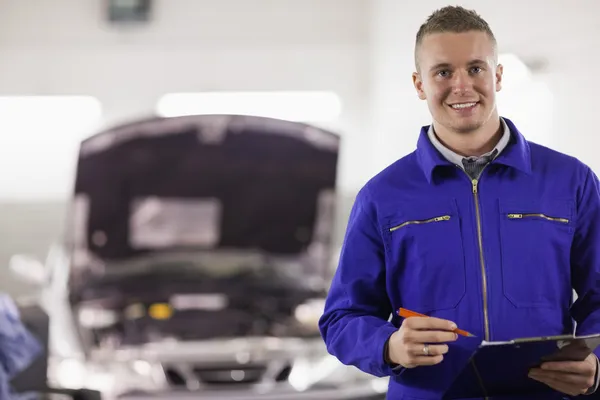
301	106
39	143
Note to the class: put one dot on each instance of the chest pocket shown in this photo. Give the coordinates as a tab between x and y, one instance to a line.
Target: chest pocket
427	256
535	244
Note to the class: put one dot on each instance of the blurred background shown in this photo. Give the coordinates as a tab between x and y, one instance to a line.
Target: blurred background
70	68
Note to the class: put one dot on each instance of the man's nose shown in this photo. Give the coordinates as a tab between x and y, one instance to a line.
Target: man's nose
461	82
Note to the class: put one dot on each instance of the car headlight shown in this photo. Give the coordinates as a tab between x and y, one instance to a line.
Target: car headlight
309	312
325	369
69	373
110	379
343	375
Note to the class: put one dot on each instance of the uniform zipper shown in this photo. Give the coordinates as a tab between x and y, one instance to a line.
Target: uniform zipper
475	191
422	221
538	215
486	320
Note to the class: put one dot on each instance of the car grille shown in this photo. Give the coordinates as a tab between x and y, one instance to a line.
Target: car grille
186	376
230	376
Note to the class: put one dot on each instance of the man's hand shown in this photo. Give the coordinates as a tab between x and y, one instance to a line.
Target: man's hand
421	341
570	377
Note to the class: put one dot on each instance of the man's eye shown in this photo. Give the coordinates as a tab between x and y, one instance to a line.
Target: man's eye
444	73
475	70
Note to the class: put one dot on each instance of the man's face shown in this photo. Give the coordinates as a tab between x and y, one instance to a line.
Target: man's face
459	79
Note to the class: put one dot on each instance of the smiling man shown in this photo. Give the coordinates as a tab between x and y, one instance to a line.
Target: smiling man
458	74
478	227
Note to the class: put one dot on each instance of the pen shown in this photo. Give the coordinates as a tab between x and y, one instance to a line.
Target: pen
403	312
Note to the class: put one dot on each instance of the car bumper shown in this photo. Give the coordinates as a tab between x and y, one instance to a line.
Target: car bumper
353	391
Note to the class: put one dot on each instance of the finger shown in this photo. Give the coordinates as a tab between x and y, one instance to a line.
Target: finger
432	323
434	349
562	386
421	361
565	377
574	380
430	336
577	367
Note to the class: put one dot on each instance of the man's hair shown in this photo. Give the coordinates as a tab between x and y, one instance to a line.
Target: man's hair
453	19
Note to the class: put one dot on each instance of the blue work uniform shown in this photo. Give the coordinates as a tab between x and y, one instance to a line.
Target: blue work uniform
18	349
499	255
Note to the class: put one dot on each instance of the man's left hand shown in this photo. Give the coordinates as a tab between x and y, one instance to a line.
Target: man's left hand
569	377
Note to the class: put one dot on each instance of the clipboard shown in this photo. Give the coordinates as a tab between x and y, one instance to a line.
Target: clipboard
501	368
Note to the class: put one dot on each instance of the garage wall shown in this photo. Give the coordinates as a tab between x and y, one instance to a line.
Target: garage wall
357	48
63	47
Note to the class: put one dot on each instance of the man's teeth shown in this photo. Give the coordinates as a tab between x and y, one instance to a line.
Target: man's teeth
463	105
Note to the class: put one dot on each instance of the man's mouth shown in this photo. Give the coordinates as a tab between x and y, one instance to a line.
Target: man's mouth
463	106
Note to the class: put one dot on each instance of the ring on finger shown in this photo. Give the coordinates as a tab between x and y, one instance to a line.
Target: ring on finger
426	349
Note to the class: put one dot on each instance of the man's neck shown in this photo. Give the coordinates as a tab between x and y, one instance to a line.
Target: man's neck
474	143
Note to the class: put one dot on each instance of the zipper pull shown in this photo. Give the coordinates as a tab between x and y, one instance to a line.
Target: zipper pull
515	216
474	182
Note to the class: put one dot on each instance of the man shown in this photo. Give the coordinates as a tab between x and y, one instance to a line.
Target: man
477	228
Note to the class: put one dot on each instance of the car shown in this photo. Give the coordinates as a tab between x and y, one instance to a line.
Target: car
195	264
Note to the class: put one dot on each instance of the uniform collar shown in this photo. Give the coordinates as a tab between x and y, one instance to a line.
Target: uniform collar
457	159
516	154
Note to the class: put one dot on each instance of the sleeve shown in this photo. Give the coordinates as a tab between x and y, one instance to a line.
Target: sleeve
18	347
355	324
594	388
585	259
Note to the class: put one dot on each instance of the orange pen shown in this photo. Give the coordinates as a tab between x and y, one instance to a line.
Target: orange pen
404	313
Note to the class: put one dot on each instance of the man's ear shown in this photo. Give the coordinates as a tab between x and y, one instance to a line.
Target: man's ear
418	82
499	72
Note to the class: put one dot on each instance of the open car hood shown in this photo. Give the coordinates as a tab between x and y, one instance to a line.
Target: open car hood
207	183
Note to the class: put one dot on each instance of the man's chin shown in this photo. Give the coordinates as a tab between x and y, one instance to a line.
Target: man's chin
466	127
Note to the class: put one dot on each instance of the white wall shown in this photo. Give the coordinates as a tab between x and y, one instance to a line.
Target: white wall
57	47
547	31
65	47
576	110
361	49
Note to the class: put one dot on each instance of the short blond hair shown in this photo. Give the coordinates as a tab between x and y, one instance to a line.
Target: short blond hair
455	19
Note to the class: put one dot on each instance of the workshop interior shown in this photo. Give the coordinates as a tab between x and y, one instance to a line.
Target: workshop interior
177	176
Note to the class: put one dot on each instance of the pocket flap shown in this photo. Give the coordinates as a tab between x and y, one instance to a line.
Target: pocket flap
551	208
422	211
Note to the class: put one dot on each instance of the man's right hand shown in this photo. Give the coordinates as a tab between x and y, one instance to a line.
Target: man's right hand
421	341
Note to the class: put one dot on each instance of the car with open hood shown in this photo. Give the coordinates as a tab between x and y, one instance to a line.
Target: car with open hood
196	262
